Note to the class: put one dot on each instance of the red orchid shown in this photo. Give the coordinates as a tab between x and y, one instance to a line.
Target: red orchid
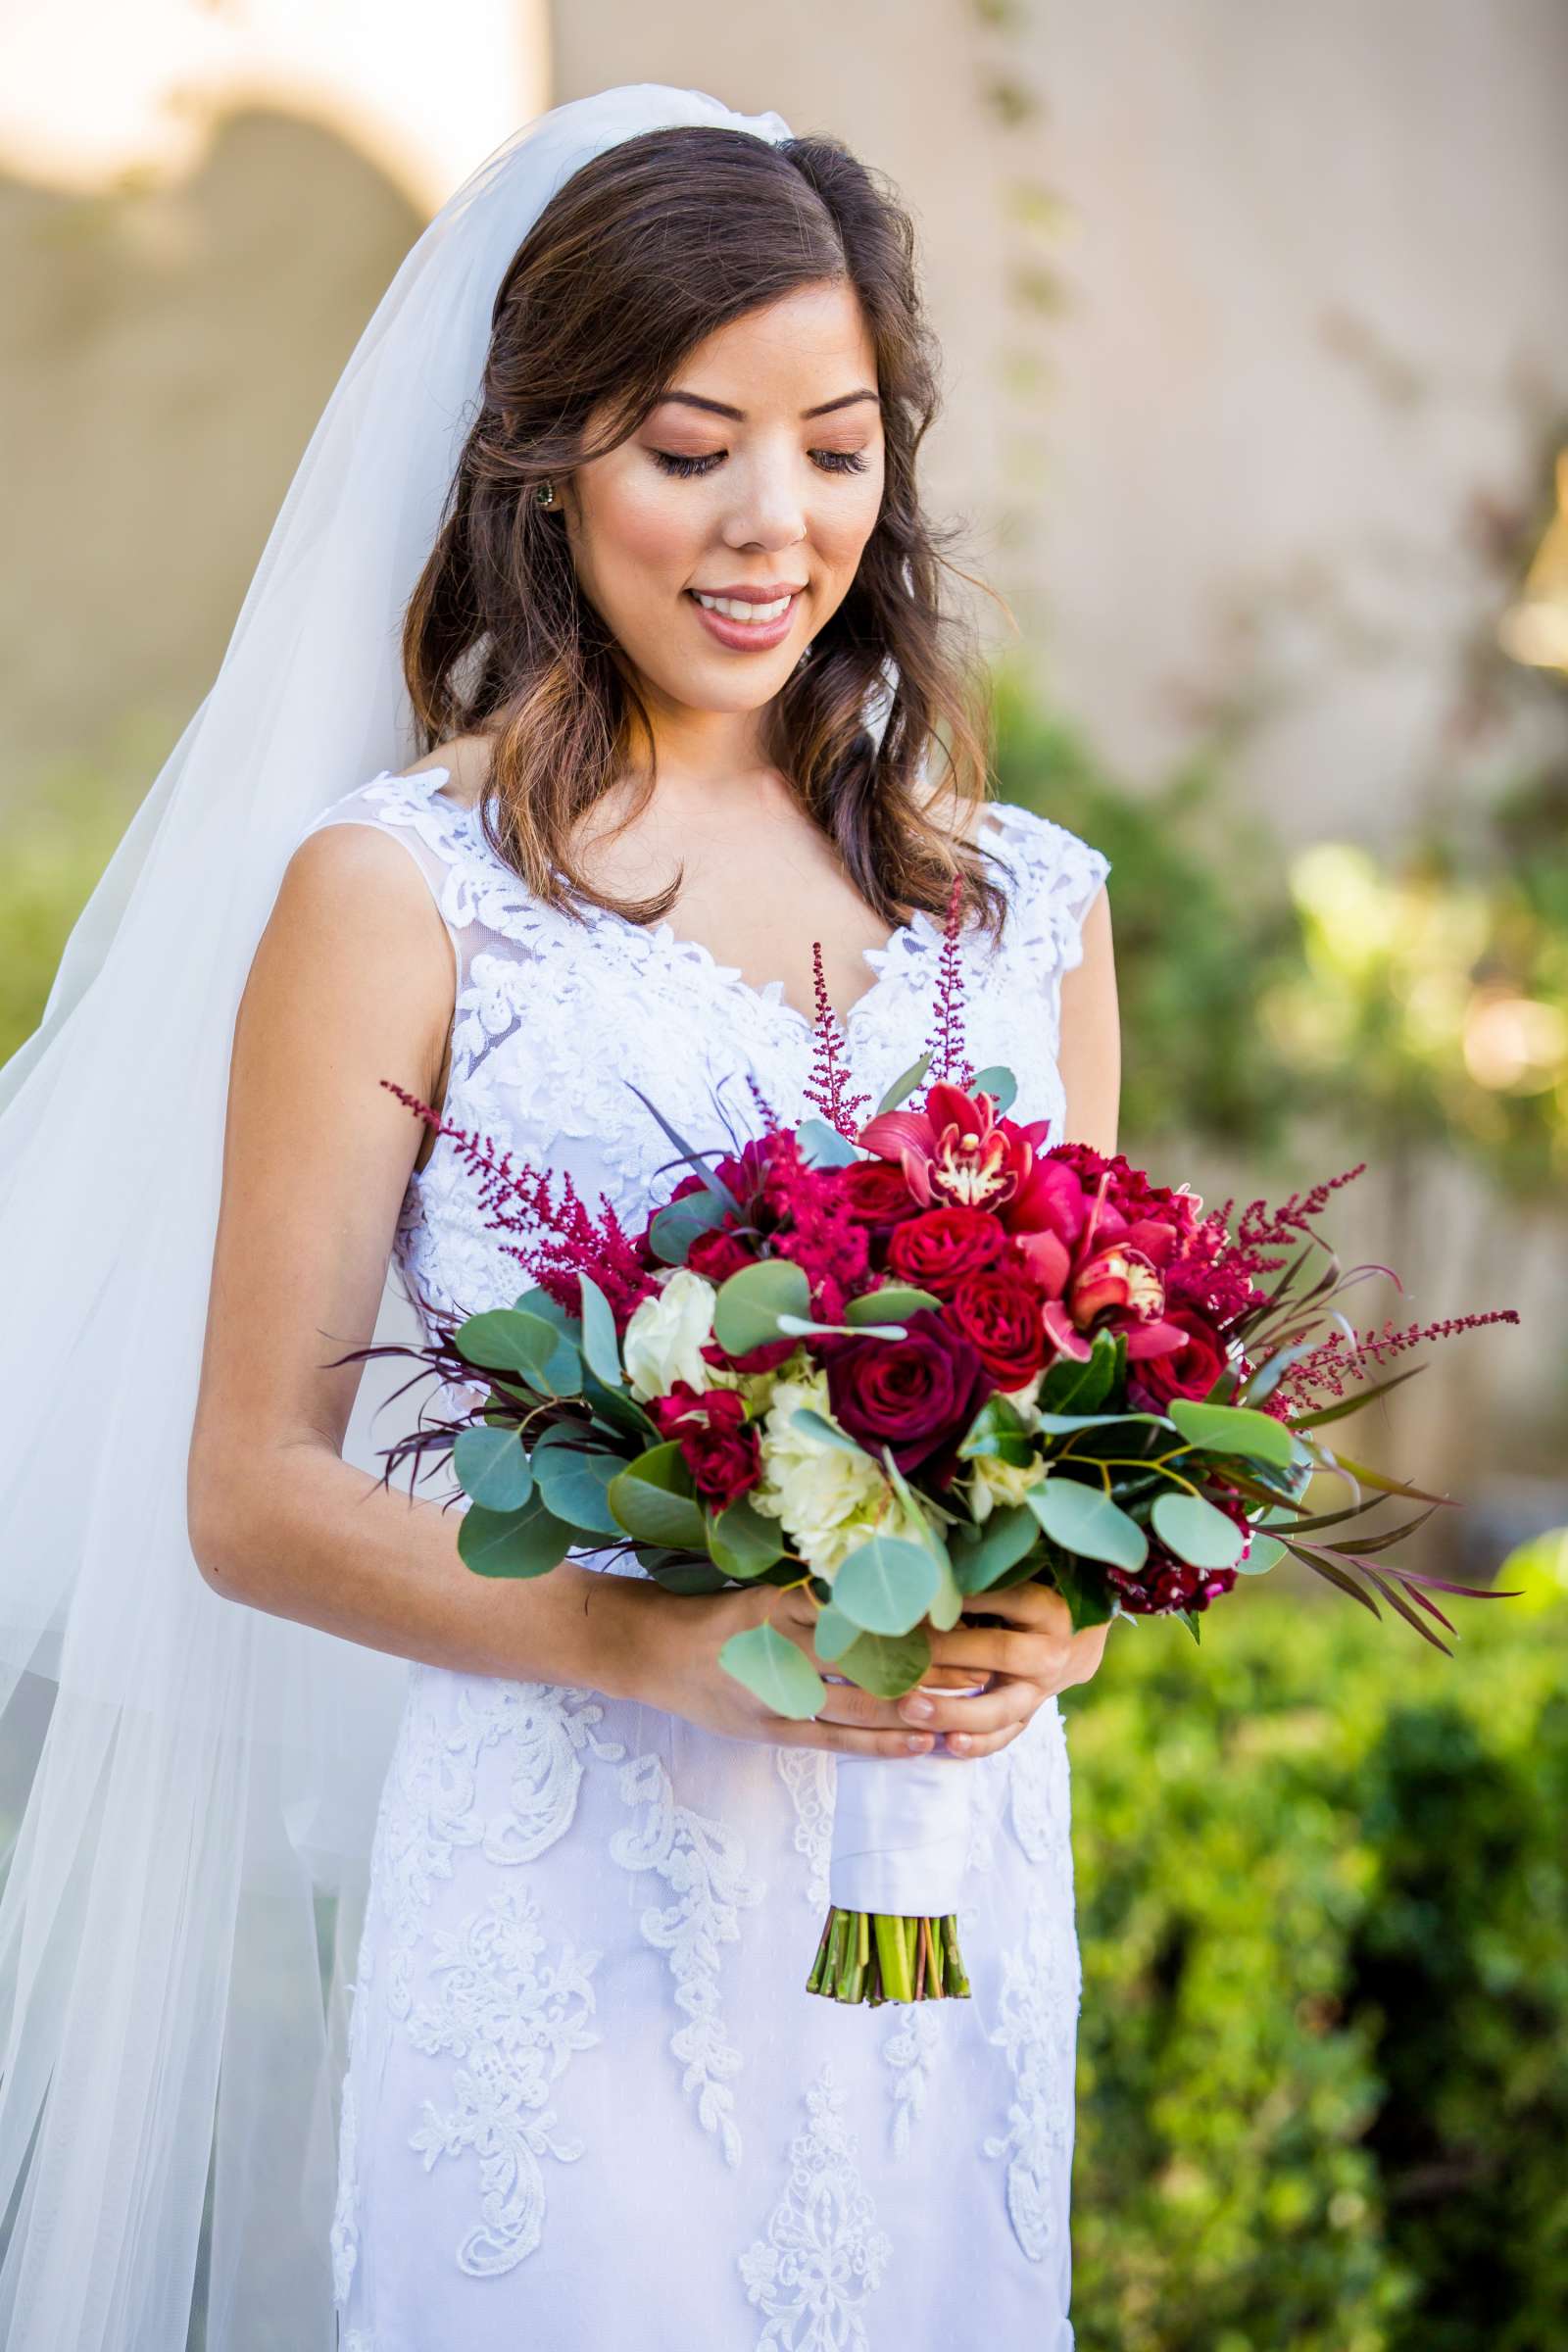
955	1151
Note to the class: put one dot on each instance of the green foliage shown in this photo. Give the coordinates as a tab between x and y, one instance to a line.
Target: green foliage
1323	1906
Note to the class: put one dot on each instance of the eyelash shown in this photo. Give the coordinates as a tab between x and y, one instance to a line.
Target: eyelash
832	461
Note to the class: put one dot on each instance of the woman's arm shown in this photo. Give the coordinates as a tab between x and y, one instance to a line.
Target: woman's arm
1090	1059
353	982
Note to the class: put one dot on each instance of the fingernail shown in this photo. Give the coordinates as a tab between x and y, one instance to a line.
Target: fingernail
916	1710
915	1745
958	1742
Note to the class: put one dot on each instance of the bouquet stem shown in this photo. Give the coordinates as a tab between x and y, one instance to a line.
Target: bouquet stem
884	1956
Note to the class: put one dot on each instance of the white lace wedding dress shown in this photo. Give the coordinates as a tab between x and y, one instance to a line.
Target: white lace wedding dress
589	2101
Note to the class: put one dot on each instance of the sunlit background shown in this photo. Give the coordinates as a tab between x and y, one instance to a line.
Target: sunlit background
1257	412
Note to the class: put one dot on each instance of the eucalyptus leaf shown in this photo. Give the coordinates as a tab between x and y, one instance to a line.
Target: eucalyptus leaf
574	1481
892	1303
885	1585
886	1665
904	1087
1267	1552
1233	1429
492	1468
1007	1536
1088	1600
1084	1519
512	1543
822	1145
826	1432
601	1348
742	1542
680	1572
1195	1531
676	1226
651	1498
999	1084
747	1307
1054	1424
834	1632
511	1339
775	1670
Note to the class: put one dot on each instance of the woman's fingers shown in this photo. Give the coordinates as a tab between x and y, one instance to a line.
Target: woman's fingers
1007	1702
848	1740
1039	1608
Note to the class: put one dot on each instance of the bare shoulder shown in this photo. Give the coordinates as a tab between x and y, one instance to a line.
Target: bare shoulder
464	761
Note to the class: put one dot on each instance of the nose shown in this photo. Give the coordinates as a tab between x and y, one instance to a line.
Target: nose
768	510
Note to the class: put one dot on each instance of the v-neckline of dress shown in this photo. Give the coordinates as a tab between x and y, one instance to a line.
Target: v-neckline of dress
919	931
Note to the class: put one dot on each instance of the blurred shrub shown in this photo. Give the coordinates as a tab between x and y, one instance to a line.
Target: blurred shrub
1323	1898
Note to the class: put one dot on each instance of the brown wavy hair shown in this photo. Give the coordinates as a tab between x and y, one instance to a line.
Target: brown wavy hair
644	252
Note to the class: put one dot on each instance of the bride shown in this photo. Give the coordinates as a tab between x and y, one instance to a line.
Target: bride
591	676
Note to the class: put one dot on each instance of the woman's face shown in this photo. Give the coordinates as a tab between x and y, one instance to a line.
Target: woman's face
759	477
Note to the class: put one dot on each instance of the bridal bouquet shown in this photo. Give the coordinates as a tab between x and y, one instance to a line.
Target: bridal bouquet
899	1362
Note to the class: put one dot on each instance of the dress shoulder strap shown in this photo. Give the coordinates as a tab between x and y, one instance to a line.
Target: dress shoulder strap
481	900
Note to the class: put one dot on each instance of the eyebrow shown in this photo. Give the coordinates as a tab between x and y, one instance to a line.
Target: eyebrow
720	407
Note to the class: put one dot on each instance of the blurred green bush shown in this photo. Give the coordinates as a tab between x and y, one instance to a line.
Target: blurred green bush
1323	1904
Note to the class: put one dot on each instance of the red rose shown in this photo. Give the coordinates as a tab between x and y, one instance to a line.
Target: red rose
717	1254
717	1442
1189	1370
877	1194
938	1248
999	1311
914	1396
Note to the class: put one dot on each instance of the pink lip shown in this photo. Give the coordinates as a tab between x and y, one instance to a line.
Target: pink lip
744	636
755	592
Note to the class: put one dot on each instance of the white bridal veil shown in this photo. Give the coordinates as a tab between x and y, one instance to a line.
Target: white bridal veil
187	1786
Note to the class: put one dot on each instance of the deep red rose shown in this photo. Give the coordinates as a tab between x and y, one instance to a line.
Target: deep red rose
717	1444
717	1254
877	1194
914	1394
936	1249
1189	1370
999	1311
1164	1584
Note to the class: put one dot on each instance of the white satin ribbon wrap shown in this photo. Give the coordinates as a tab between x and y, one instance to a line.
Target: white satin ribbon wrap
901	1834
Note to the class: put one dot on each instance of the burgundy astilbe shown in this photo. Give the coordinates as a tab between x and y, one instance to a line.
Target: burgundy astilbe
950	1059
1336	1360
829	1085
556	1238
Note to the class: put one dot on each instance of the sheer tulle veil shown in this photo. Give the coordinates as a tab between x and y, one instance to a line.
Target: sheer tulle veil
187	1786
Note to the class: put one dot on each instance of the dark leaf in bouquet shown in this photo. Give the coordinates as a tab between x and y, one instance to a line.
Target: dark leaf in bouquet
574	1481
742	1542
1083	1388
1056	1425
775	1670
1233	1429
1326	1568
601	1348
492	1468
749	1304
1190	1619
1397	1601
1390	1534
1084	1519
885	1585
1366	1477
903	1085
894	1302
512	1340
822	1145
653	1499
514	1543
624	1414
693	1158
982	1554
680	1571
1345	1405
1197	1531
1090	1599
675	1228
886	1664
999	1084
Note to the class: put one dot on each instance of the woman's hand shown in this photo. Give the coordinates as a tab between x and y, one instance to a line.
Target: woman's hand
1030	1655
1028	1650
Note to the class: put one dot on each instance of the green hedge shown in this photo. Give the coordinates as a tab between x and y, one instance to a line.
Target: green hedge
1323	1903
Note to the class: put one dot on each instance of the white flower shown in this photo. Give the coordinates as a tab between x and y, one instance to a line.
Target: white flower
829	1498
993	1482
665	1336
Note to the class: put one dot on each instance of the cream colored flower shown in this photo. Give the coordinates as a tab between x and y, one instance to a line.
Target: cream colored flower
993	1482
665	1339
828	1498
